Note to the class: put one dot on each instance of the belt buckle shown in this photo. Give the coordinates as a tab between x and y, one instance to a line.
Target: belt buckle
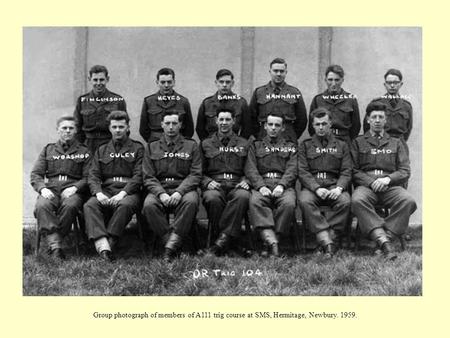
378	172
227	176
62	177
321	175
118	179
169	179
271	175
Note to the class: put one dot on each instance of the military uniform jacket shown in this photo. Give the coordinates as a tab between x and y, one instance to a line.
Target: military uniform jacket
219	159
264	157
344	112
54	162
324	167
372	160
152	113
179	169
207	112
117	170
288	101
399	118
91	112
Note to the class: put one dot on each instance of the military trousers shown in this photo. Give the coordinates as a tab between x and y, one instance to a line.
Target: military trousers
400	203
106	221
57	214
184	213
226	207
336	218
277	213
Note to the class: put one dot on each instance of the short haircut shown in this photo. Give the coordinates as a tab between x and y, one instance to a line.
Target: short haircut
118	115
319	113
224	72
226	110
379	106
278	60
170	112
66	118
395	72
98	69
335	69
165	71
276	114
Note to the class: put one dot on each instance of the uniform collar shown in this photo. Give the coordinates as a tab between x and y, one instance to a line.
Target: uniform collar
280	141
178	141
125	146
330	138
373	140
73	147
334	101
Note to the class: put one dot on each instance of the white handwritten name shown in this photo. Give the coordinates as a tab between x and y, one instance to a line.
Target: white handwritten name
380	151
180	155
121	155
281	149
70	157
101	99
169	98
228	97
339	97
231	149
326	150
283	96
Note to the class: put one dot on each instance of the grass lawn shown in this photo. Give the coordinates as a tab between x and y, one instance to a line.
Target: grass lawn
138	273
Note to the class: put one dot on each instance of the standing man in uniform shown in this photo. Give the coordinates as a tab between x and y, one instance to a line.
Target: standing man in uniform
93	108
172	172
224	98
65	165
115	180
225	188
166	98
381	167
343	106
325	172
278	96
399	117
271	168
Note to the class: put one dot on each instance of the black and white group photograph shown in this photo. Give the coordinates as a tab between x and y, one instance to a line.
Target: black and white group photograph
222	161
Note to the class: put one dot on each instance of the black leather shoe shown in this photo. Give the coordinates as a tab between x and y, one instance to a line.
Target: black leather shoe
388	251
107	256
58	254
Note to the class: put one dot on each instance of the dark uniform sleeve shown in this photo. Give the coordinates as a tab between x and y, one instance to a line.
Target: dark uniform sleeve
359	176
201	128
313	106
305	176
300	117
81	136
38	172
410	123
134	184
205	179
403	171
345	176
152	184
251	169
188	130
95	175
246	121
252	126
356	120
82	185
192	181
122	105
144	130
290	174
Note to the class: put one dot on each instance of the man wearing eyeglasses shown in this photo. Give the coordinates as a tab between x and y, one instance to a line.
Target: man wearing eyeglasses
399	119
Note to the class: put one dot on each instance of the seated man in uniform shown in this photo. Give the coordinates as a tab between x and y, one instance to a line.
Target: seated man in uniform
225	188
166	98
226	99
325	171
65	165
271	168
172	171
380	168
115	180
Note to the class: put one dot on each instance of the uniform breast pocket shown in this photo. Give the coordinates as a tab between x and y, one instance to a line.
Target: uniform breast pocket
314	159
106	164
333	160
53	166
387	160
366	158
183	166
342	116
155	117
75	167
210	121
160	162
88	117
399	120
102	116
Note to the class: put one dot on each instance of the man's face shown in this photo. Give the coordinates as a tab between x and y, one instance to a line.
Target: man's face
171	125
274	126
66	131
278	73
392	84
224	84
98	82
165	84
322	125
225	122
334	82
376	120
119	129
